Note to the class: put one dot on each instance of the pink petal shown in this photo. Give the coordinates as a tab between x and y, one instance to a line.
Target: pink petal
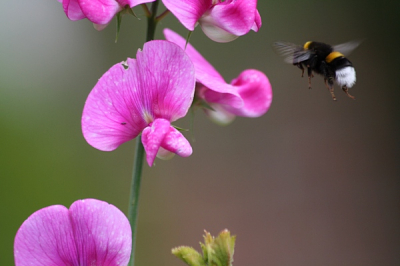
73	10
92	232
153	136
99	11
46	238
175	142
188	12
112	113
205	72
103	235
257	22
228	19
132	3
167	77
256	92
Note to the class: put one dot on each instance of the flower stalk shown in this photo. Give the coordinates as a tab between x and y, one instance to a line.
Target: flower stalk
139	151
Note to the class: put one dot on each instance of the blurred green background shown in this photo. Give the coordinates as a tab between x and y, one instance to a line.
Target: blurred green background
312	182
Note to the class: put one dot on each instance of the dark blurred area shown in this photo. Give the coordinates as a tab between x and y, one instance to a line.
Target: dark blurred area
312	182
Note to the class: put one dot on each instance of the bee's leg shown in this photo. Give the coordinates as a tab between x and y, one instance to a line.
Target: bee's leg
302	69
346	90
329	85
310	75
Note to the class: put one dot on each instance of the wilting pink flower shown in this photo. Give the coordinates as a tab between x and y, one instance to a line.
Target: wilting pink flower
100	12
249	95
91	232
221	21
142	96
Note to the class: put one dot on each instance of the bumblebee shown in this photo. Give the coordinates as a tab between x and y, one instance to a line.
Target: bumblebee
324	59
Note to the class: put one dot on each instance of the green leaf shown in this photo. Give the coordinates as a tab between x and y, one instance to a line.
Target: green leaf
189	255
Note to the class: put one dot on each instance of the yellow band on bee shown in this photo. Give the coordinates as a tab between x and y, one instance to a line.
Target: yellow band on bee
332	56
306	45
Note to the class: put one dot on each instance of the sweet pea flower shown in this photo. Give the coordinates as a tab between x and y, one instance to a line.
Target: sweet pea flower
221	21
90	233
142	96
248	95
100	12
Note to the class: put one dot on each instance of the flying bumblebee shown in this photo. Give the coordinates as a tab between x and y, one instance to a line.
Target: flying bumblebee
324	59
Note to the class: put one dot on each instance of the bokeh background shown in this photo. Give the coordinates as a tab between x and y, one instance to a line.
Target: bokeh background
312	182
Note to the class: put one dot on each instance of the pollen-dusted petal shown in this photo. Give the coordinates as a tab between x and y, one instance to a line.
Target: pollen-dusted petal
99	11
153	136
102	233
46	238
256	92
113	110
72	9
175	142
167	78
188	12
205	72
236	17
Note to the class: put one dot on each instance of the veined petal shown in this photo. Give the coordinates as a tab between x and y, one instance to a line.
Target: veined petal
153	136
91	232
256	92
46	238
72	9
188	12
99	11
234	17
205	72
102	233
113	110
167	76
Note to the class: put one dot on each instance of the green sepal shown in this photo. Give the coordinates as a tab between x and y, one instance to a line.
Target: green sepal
181	129
187	38
189	255
119	21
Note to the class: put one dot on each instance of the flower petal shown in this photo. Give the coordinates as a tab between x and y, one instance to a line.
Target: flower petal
153	136
256	92
72	9
257	22
46	238
205	72
234	17
188	12
99	11
113	110
132	3
167	78
175	142
102	232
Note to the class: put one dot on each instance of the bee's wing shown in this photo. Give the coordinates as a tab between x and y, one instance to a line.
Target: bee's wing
346	48
292	53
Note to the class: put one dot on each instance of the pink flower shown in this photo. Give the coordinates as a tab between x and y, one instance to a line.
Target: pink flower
100	12
249	95
90	232
142	96
221	21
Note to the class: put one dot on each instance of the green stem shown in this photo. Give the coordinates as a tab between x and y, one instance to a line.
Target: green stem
139	152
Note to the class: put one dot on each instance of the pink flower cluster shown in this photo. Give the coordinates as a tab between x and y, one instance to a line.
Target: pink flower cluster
221	21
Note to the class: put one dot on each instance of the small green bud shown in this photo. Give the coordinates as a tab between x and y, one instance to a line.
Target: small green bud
216	251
